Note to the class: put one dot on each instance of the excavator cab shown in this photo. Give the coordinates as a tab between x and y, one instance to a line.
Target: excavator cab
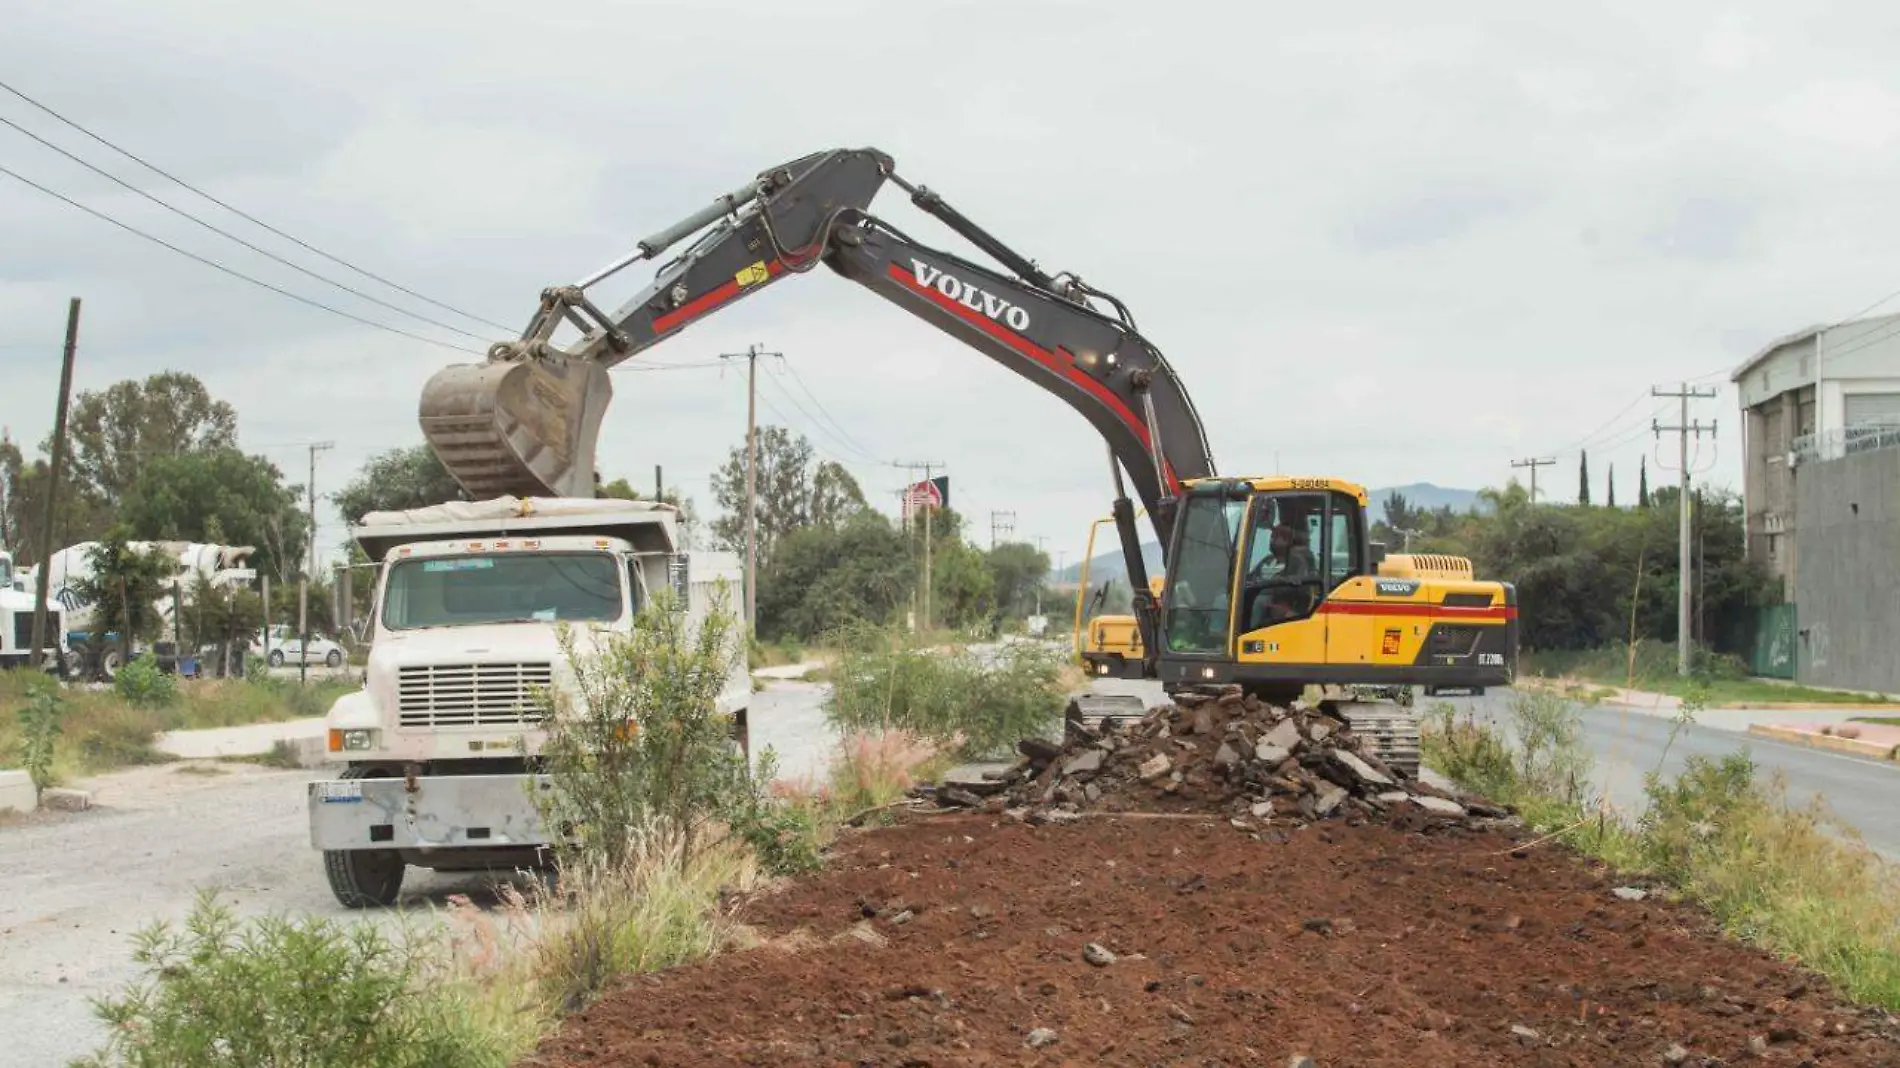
1275	584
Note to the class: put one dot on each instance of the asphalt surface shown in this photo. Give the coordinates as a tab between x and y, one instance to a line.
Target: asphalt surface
1630	740
75	886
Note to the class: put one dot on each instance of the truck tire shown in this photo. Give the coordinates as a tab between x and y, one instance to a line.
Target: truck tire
364	878
276	658
335	659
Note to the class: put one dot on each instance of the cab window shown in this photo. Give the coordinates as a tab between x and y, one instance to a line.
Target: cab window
1198	590
1287	540
1343	551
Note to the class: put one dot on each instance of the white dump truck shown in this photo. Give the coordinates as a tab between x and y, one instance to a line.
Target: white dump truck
464	633
16	619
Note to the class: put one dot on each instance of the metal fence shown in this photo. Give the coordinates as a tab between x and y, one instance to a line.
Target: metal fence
1835	444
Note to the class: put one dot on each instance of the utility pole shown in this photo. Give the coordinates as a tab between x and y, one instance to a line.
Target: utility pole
1042	578
1684	568
1533	463
1001	524
659	485
303	585
928	467
1408	537
52	484
751	355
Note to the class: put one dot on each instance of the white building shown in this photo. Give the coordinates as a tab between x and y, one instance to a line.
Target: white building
1812	396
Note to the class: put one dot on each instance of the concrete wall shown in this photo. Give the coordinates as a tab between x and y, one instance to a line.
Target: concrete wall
1847	590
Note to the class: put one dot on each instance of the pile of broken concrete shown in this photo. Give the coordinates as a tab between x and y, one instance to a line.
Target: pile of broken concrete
1227	754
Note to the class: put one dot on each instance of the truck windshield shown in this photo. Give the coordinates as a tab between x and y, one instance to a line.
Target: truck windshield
461	591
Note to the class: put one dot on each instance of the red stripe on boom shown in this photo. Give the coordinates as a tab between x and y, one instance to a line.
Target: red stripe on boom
707	301
1043	356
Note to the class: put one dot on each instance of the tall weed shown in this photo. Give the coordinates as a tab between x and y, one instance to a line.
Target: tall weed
885	678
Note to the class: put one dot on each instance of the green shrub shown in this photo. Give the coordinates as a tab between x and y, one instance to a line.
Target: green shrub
276	991
117	736
886	678
143	685
39	731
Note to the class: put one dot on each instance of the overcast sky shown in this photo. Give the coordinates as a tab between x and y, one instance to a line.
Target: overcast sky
1384	241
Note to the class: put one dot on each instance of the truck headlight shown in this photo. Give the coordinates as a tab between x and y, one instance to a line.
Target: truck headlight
358	738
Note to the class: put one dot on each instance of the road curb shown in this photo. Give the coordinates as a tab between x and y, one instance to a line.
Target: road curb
1817	740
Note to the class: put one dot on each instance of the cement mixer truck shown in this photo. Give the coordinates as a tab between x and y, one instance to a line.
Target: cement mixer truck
16	619
67	569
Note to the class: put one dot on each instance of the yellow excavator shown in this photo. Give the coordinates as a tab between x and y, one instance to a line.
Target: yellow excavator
1270	583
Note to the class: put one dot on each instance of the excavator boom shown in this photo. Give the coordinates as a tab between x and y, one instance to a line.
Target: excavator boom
526	421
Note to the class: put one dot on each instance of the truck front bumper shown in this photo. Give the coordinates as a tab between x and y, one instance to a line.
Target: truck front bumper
442	812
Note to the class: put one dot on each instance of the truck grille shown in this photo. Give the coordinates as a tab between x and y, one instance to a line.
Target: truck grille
23	631
470	695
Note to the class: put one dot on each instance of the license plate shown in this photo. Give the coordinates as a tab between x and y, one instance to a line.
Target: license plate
343	791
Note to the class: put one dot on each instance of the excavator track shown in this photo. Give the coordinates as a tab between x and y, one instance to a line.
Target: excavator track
1389	730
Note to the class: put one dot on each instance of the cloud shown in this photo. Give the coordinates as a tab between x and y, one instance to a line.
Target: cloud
1382	243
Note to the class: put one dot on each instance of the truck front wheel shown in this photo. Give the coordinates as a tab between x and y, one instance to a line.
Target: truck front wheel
364	878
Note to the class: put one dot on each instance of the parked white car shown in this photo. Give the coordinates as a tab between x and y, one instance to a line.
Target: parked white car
286	647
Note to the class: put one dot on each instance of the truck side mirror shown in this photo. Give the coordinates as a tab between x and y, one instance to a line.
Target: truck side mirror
1378	555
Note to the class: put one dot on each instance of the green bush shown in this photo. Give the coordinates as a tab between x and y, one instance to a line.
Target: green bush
276	991
143	685
39	730
886	678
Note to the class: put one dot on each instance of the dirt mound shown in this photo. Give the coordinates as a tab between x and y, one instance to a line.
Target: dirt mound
1234	755
971	939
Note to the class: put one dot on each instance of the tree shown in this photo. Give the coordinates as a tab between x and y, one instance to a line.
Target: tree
792	492
1583	478
396	480
1642	484
1398	512
221	496
1017	571
116	433
1609	499
123	588
221	616
835	495
12	466
821	579
618	489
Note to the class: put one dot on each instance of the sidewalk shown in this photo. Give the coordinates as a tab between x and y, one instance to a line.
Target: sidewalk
1872	740
303	735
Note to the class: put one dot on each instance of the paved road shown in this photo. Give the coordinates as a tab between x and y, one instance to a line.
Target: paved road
1631	739
76	885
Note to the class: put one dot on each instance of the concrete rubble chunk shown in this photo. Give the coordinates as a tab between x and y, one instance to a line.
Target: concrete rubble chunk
1091	793
1438	805
1268	753
1156	766
1089	761
1675	1054
1630	893
1301	1060
961	797
1526	1034
1098	955
1262	808
1329	798
1319	730
1285	734
1040	1038
1226	756
1362	770
1393	797
1203	721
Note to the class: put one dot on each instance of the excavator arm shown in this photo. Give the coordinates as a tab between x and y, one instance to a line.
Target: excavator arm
525	422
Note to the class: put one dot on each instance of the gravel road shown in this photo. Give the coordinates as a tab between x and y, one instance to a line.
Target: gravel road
75	886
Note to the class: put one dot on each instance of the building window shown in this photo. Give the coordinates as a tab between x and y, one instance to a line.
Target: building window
1774	546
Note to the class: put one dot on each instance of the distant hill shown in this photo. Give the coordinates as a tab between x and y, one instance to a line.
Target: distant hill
1418	494
1424	495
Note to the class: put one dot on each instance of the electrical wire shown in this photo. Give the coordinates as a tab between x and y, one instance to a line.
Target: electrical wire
846	441
182	213
1591	437
214	265
799	380
155	169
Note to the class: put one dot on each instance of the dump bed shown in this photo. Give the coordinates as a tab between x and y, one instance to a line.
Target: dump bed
649	526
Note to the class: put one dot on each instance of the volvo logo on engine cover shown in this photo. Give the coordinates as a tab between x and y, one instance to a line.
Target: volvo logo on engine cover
971	297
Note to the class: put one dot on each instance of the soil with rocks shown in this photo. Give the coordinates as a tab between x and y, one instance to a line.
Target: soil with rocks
1255	763
1167	938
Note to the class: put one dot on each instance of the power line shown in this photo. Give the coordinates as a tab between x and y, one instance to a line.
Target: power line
1592	435
249	217
182	213
864	455
1533	463
799	380
214	265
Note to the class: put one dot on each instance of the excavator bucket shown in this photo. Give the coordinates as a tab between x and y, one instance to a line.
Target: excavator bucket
524	428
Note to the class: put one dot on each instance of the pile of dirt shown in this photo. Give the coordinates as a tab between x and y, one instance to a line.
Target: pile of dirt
966	938
1231	754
